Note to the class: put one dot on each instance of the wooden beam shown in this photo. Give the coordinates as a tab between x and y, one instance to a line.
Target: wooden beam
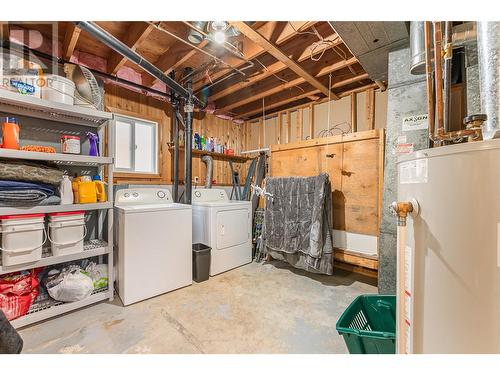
70	39
272	49
134	36
4	31
311	120
252	50
292	28
300	124
288	118
354	112
278	129
178	54
276	68
285	86
370	109
305	95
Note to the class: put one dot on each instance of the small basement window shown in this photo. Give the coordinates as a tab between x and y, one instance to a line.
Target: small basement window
136	145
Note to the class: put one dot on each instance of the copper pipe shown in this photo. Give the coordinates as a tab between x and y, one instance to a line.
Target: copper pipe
429	76
448	55
438	75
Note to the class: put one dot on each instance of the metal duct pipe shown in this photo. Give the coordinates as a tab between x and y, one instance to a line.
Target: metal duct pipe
194	36
448	55
438	75
429	77
116	45
188	138
207	159
488	37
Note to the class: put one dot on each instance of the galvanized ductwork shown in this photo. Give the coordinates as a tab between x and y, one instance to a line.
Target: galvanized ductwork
488	38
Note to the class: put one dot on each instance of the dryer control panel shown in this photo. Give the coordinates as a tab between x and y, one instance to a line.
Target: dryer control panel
209	195
143	196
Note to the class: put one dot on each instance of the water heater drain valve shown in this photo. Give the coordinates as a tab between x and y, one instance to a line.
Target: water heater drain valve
403	209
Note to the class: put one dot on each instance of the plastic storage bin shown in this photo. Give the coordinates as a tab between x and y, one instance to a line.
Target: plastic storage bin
22	238
201	262
368	325
67	231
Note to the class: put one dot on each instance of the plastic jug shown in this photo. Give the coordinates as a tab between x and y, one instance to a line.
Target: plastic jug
66	190
100	188
84	190
10	131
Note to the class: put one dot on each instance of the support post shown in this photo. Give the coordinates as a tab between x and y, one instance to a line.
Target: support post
188	138
354	112
174	100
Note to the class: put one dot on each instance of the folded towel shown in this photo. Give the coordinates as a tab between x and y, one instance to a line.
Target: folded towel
29	171
17	193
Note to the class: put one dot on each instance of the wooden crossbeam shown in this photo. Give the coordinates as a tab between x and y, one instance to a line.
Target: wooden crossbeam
286	86
272	49
4	31
251	51
70	39
302	96
135	35
170	59
370	109
279	66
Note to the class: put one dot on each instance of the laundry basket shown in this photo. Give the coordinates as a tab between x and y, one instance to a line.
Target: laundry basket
368	325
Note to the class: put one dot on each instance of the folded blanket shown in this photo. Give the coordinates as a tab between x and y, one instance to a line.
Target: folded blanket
298	222
29	171
17	193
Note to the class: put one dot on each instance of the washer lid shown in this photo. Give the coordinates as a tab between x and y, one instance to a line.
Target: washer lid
228	204
151	207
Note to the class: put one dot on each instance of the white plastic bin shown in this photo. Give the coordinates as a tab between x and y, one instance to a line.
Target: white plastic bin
22	238
58	89
67	231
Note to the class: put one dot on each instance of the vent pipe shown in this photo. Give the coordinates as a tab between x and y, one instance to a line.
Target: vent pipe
488	40
188	137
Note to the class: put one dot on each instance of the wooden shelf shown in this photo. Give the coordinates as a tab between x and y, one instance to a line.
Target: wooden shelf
217	155
14	103
57	158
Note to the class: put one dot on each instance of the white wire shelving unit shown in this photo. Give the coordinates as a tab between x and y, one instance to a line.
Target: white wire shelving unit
67	117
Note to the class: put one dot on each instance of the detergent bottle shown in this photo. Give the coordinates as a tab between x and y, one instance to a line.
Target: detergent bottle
100	188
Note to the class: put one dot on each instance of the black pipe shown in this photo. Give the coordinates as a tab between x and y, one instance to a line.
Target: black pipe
174	100
116	45
188	138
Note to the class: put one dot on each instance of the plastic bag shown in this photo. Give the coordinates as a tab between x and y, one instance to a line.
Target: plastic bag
99	274
69	285
17	292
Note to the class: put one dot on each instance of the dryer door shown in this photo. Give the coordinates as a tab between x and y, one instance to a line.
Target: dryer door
232	228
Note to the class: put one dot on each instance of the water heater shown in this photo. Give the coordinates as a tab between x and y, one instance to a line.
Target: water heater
451	249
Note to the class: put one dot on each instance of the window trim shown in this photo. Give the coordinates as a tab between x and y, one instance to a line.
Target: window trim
119	172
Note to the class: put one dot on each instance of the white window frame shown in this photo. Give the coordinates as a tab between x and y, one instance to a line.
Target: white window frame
155	152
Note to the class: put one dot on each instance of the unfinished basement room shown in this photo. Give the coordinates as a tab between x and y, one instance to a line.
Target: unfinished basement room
285	186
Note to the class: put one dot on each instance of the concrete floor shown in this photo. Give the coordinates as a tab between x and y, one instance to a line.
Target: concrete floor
258	308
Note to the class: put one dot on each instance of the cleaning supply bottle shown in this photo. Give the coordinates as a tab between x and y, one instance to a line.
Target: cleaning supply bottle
66	190
100	188
93	139
10	131
86	190
203	142
74	186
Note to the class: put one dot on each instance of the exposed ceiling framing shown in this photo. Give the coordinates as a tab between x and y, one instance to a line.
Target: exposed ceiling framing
268	67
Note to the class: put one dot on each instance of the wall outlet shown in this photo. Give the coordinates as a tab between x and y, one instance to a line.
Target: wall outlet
196	179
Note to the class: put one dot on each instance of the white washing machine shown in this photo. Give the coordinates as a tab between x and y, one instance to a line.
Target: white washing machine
224	225
154	243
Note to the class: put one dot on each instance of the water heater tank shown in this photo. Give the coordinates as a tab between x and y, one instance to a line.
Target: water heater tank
453	248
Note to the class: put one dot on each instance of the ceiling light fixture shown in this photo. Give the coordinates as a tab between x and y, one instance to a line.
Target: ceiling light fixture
218	31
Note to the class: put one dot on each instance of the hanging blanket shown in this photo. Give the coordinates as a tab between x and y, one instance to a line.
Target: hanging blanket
17	193
297	222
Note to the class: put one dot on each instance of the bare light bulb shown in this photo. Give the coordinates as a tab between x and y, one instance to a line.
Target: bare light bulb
220	37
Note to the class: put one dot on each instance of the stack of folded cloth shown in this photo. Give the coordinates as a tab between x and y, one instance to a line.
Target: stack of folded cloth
28	184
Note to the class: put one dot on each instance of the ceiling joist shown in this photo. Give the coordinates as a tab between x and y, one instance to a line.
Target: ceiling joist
138	32
257	38
70	39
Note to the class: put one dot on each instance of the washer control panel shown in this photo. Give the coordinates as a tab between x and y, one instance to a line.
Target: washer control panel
209	195
143	196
